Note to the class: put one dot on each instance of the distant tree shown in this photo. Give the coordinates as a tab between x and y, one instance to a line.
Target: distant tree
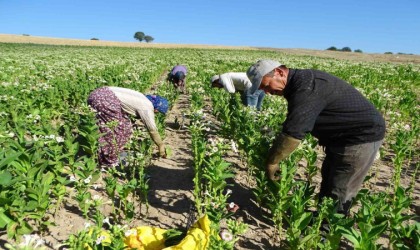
25	35
332	48
148	39
358	51
346	49
94	39
388	53
139	36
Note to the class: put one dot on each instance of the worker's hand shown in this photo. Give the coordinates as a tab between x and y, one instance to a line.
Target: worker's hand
282	147
273	172
162	151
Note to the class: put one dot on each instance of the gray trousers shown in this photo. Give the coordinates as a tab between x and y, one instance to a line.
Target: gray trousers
344	170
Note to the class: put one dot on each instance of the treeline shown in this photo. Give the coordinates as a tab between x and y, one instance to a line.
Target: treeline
140	36
348	49
344	49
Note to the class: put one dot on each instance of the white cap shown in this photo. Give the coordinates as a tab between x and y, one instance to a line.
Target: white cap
257	71
214	78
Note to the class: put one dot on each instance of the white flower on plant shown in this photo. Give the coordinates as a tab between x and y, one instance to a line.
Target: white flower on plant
226	235
87	225
228	192
100	239
87	180
59	139
106	220
407	127
130	232
37	118
212	141
234	147
121	226
231	205
72	178
32	240
11	134
96	197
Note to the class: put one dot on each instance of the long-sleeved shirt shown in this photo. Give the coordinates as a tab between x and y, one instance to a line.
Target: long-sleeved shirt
171	76
233	81
330	109
137	104
177	68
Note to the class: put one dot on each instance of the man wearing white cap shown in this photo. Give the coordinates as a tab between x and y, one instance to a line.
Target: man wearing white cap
238	81
333	111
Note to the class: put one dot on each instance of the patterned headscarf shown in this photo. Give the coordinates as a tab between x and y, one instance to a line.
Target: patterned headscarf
159	103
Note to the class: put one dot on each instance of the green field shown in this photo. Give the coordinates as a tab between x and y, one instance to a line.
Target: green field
48	141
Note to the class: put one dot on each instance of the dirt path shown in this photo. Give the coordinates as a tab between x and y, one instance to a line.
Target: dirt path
171	185
261	233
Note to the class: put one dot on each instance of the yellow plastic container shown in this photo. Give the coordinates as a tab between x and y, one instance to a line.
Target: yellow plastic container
151	238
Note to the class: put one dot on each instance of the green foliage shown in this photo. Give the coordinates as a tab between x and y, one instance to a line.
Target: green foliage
346	49
49	142
333	48
148	39
139	36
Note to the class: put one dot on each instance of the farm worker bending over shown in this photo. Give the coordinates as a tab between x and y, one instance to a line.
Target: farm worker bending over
344	122
233	81
177	77
114	104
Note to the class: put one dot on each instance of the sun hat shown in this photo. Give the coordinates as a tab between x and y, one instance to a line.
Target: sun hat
257	71
159	103
214	78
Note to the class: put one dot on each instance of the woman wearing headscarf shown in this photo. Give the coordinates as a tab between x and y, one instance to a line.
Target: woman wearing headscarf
113	105
177	77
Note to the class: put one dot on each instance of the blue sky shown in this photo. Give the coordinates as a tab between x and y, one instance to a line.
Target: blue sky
373	26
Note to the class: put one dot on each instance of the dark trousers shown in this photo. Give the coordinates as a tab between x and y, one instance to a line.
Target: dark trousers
344	170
